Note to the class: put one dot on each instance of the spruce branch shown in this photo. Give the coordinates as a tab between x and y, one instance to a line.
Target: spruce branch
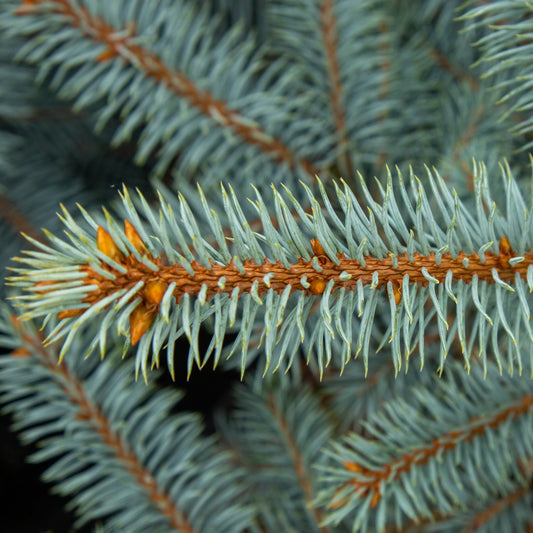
504	511
104	432
509	511
199	98
277	435
353	102
506	56
335	267
392	471
431	453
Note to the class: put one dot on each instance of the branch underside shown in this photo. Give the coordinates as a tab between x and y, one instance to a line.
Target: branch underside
306	276
318	276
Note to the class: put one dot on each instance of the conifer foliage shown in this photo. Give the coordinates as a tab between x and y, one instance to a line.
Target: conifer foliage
211	164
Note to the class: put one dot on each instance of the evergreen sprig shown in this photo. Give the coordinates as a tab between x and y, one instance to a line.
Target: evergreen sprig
277	435
354	130
434	453
510	510
117	56
436	268
361	106
156	275
506	51
117	449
